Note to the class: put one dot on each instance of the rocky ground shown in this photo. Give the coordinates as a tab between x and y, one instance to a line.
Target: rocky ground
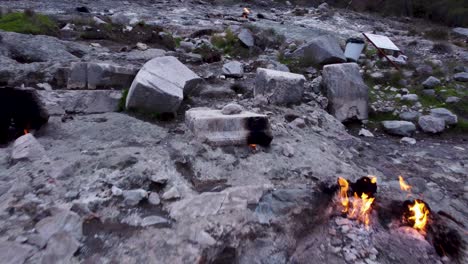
98	184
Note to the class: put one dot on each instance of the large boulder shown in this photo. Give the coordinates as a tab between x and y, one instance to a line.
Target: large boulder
320	51
84	75
346	91
399	128
431	124
229	129
279	87
461	77
160	85
449	117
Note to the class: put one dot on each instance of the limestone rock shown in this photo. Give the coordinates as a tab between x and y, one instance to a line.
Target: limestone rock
236	129
365	133
27	148
346	91
133	197
461	77
84	75
399	128
449	117
14	253
431	124
431	82
246	38
232	109
279	87
321	50
160	85
233	69
60	248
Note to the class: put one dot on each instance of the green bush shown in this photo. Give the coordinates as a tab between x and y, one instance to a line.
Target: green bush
28	23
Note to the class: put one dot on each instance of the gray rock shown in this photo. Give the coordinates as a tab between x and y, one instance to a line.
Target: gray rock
187	46
64	221
408	140
288	150
246	38
321	50
461	77
219	129
431	82
133	197
461	31
142	55
429	92
410	97
160	85
409	116
449	117
100	76
460	68
279	87
232	109
60	248
399	128
365	133
233	69
299	123
452	99
83	102
346	91
14	253
153	220
116	191
141	46
124	18
431	124
154	199
171	194
27	148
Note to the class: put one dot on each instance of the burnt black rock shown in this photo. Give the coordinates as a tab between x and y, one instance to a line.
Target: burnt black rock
260	132
364	185
83	9
20	109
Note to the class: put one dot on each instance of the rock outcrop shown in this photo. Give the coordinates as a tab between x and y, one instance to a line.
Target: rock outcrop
320	51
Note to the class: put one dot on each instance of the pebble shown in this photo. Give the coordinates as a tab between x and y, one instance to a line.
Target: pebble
342	221
288	150
154	198
172	193
408	140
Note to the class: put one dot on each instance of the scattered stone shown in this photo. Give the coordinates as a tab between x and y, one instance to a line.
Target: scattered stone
298	122
431	82
410	97
246	38
449	117
236	129
187	46
64	221
133	197
116	191
461	31
431	124
141	46
452	100
408	140
154	198
99	21
288	150
232	109
461	77
399	128
233	69
160	85
27	148
279	87
320	51
365	133
409	116
14	253
429	92
153	220
172	194
346	101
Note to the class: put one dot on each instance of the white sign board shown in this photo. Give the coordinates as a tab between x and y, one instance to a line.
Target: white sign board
381	42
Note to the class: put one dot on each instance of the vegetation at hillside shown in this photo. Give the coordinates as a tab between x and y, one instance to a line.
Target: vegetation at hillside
28	22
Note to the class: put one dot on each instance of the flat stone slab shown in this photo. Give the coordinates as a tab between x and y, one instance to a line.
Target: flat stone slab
236	129
279	87
100	75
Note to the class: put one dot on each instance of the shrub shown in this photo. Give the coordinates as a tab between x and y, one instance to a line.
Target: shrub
28	23
437	34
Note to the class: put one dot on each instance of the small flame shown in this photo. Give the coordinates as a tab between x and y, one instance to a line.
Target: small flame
356	207
253	146
403	185
245	12
419	214
373	179
25	131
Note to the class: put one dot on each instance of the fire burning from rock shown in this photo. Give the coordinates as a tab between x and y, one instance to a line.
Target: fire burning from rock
359	206
245	12
417	214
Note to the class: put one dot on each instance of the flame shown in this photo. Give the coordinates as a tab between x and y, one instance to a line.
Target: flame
356	207
25	131
419	214
373	179
403	185
253	146
245	12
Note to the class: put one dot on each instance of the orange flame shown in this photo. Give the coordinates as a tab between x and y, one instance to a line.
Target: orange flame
403	185
419	214
245	12
360	206
253	146
25	131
